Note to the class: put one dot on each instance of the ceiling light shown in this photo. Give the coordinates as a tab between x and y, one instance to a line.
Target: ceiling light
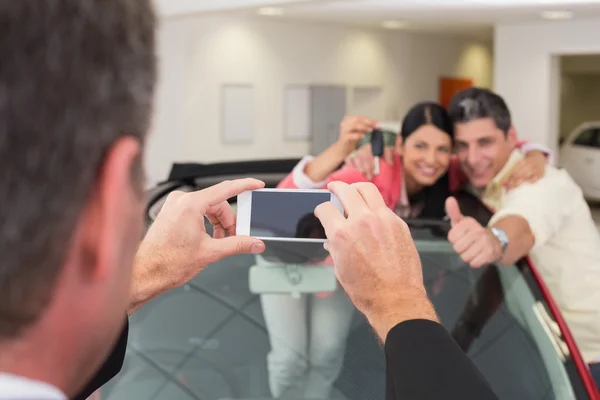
393	24
557	15
270	11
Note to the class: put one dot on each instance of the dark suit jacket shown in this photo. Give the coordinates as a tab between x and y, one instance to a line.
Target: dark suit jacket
423	362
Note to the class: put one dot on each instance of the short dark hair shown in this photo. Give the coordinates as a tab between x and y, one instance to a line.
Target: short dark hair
75	76
476	103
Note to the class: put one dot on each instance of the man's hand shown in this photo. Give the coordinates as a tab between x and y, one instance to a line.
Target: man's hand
475	244
375	257
529	170
363	160
177	246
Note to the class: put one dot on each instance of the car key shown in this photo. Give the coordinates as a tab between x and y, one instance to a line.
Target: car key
377	147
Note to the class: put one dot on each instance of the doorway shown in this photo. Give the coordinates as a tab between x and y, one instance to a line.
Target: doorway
579	123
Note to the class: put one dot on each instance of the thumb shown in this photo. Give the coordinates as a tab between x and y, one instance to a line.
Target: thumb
233	245
453	211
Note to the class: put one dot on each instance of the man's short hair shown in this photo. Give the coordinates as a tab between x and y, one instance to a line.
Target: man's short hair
476	103
75	76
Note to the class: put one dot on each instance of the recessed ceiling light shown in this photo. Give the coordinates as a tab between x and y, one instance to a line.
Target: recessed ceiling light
557	15
270	11
393	24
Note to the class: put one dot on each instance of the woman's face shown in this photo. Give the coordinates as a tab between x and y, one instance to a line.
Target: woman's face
425	154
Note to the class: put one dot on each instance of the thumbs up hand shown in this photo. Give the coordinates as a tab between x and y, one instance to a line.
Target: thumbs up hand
475	244
453	211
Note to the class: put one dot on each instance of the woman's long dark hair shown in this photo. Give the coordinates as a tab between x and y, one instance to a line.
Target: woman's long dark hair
433	197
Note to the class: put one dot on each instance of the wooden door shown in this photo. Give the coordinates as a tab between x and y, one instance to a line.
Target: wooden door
449	86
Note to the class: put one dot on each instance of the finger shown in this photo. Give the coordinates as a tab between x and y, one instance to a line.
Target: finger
219	249
510	183
223	220
368	123
453	211
351	160
370	195
531	177
225	190
361	127
356	137
365	168
351	200
388	155
365	161
479	261
330	217
461	229
472	252
466	241
514	184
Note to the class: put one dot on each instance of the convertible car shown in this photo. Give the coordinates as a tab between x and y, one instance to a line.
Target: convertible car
208	340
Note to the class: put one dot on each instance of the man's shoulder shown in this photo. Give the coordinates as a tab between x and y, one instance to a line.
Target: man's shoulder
555	186
559	177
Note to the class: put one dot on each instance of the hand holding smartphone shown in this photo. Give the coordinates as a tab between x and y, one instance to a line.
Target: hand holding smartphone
283	214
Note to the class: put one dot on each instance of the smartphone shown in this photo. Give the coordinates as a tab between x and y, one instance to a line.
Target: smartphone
283	214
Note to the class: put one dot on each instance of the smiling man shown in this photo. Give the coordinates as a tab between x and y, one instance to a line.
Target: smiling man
548	219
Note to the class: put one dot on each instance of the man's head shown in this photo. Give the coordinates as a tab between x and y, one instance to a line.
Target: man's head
484	133
76	86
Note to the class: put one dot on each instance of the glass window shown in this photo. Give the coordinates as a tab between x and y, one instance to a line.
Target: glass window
214	339
596	143
587	138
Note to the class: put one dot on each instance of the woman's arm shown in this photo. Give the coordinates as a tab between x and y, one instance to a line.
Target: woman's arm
534	149
313	173
328	161
352	130
530	170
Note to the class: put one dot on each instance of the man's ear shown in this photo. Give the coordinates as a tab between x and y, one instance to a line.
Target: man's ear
512	135
103	226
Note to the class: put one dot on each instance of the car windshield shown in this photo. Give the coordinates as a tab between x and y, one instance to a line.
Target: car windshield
227	335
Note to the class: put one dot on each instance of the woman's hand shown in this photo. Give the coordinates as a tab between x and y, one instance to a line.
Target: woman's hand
352	130
529	170
363	159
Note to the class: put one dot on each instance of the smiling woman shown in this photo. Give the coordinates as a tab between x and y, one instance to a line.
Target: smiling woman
414	184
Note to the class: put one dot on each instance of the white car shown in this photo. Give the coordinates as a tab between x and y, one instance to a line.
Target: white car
580	156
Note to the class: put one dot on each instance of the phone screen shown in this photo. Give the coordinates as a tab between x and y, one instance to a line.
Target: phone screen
287	214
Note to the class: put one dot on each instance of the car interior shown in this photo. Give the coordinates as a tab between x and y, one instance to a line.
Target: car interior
208	340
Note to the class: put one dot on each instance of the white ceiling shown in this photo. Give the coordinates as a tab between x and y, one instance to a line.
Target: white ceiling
173	8
474	18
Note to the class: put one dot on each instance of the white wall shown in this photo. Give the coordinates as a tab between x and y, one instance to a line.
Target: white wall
476	62
167	135
201	53
527	71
